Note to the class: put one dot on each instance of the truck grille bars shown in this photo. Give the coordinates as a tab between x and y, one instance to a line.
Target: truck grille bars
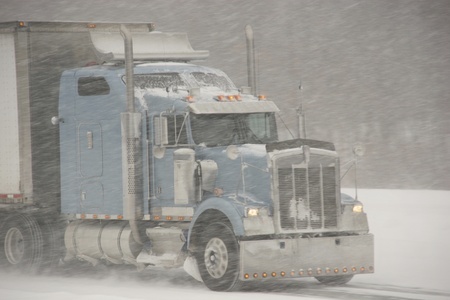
307	193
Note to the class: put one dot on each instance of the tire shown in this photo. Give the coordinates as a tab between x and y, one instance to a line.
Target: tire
21	244
218	258
53	237
335	280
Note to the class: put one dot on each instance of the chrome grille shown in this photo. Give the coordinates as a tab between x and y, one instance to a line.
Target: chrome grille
307	197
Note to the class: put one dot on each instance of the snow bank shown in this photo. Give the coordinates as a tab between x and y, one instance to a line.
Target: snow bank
412	242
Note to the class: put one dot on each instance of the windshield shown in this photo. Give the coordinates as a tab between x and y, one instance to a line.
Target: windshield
229	129
159	81
182	81
213	80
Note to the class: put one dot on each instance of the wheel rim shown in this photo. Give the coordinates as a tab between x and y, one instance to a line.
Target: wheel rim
14	246
216	257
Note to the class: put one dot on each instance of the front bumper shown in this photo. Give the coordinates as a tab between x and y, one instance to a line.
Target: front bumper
306	257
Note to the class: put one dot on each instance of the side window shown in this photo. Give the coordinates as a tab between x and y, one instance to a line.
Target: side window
176	127
93	86
173	130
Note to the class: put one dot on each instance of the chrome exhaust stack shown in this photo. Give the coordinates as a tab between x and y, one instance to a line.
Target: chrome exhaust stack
251	67
132	173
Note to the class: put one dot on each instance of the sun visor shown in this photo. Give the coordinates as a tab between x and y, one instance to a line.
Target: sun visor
233	107
147	46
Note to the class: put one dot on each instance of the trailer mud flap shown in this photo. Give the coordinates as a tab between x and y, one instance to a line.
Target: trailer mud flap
307	257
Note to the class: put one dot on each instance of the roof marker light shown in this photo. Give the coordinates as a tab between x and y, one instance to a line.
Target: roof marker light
261	97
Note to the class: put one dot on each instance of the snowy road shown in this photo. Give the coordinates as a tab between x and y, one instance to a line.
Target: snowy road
411	252
176	285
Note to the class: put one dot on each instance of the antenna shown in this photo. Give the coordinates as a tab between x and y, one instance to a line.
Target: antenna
301	116
358	151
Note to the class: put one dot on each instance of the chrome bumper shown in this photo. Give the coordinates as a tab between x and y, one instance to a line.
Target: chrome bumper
306	257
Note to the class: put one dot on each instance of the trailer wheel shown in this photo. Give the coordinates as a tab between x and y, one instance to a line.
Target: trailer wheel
218	260
335	280
21	243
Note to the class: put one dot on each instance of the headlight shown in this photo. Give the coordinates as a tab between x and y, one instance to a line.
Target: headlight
252	212
358	208
256	211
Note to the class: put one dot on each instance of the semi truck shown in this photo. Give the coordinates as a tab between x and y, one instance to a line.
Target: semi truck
116	149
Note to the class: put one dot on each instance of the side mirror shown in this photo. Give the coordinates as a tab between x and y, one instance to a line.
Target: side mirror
359	150
161	135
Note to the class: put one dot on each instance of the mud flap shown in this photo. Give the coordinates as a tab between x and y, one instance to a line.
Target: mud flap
191	267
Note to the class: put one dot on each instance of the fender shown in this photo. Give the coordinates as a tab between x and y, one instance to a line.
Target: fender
228	207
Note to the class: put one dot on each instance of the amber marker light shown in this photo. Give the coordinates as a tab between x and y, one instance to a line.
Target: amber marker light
231	98
264	275
362	269
119	217
344	270
156	218
91	25
261	97
180	218
220	97
255	275
301	272
169	218
190	99
274	274
353	269
246	276
238	97
292	273
218	192
282	273
336	270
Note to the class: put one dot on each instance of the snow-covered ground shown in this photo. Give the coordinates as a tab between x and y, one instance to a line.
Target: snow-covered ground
412	253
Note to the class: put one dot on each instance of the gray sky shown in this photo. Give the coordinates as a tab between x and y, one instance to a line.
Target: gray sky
374	72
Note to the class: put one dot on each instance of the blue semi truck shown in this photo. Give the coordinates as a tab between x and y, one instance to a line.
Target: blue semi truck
116	149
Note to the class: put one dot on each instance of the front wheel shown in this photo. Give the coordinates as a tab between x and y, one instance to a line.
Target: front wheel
218	258
335	280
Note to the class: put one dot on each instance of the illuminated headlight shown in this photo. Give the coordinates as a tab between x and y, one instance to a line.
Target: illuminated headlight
252	212
358	208
256	211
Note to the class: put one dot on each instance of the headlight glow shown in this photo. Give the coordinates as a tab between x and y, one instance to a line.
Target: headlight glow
252	212
358	208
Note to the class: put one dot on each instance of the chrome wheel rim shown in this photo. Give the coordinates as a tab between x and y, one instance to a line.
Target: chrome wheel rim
216	258
14	246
